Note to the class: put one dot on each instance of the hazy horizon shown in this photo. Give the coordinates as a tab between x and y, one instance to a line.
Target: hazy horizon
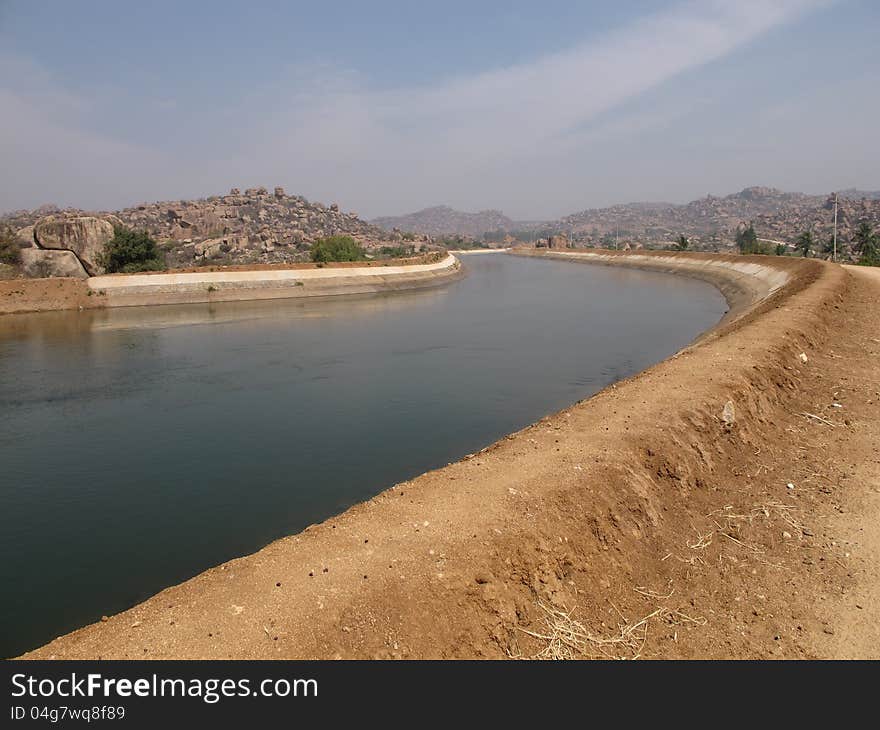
539	112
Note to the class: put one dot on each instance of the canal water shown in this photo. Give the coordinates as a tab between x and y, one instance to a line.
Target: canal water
140	446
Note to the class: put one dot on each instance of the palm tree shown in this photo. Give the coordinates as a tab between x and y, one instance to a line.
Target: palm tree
865	243
805	242
681	244
864	237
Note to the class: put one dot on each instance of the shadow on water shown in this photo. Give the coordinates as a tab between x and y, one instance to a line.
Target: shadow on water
140	446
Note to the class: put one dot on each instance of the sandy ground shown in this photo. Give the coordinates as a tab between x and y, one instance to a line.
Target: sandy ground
42	295
723	503
852	616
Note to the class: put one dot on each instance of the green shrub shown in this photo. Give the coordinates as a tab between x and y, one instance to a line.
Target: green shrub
396	252
10	249
337	248
130	252
681	244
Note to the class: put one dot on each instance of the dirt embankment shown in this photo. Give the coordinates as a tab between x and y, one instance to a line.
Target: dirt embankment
698	509
44	295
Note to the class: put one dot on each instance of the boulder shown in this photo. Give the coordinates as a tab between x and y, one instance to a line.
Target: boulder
279	192
43	263
25	237
210	247
86	236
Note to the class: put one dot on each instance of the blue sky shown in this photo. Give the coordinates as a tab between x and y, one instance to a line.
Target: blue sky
386	107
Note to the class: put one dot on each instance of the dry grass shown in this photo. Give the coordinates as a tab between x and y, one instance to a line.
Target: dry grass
567	638
564	637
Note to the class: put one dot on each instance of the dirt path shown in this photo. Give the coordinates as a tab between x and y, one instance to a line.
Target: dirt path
854	615
720	504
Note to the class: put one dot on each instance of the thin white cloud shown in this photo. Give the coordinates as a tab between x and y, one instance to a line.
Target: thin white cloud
389	150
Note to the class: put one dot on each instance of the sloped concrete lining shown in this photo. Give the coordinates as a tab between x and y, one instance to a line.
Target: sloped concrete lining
744	281
121	290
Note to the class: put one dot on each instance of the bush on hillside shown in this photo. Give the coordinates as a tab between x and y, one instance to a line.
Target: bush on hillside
130	252
10	249
337	248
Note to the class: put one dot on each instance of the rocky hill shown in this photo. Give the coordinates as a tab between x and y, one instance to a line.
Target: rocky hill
445	221
712	222
709	223
856	194
254	226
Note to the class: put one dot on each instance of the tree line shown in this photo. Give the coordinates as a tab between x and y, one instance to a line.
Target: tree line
865	244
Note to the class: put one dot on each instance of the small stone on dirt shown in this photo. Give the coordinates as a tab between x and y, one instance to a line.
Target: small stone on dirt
727	414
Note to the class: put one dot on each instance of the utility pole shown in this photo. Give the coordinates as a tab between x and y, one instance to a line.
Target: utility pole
834	255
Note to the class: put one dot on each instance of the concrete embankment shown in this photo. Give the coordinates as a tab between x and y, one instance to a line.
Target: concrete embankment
221	285
744	283
675	514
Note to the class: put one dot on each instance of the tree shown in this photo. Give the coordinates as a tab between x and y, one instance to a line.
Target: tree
805	243
131	251
10	249
681	244
867	245
828	246
337	248
781	249
747	240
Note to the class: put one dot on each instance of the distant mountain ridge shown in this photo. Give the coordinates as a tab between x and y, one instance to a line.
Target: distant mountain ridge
441	220
258	226
711	221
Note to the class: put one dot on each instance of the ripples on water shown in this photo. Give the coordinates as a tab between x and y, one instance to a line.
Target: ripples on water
141	446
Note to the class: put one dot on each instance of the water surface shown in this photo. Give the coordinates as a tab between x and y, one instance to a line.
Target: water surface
140	446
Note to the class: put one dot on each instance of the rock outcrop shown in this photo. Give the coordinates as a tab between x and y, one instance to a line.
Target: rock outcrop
85	236
254	226
711	223
44	263
25	237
